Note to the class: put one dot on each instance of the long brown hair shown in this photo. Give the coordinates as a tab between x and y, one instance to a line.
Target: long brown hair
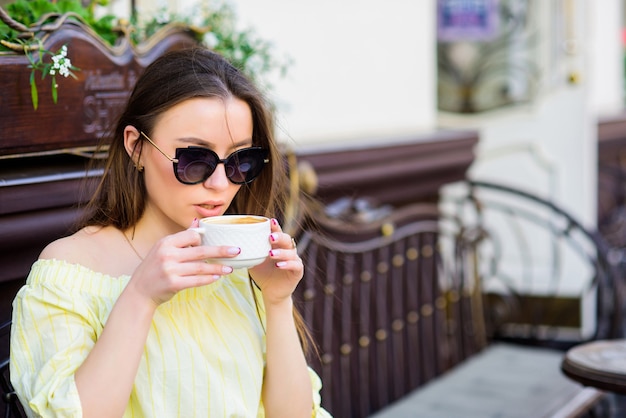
120	196
177	76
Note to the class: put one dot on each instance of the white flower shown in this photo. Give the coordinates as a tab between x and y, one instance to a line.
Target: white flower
61	63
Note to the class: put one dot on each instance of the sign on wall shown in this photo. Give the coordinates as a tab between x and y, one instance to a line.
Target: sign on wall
467	20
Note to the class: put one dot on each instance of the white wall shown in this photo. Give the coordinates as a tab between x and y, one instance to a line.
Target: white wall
607	57
362	69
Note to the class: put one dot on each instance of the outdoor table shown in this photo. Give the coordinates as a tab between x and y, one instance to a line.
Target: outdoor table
600	364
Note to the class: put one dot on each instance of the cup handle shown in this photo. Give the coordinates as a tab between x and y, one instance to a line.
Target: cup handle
199	230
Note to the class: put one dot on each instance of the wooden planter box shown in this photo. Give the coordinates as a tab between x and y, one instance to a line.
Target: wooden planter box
86	106
40	175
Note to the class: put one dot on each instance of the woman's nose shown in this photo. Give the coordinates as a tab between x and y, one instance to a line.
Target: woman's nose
218	179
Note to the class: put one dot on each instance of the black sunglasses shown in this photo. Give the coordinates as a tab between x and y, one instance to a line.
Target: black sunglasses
194	165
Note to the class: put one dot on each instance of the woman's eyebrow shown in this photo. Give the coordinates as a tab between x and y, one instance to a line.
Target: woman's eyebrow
208	144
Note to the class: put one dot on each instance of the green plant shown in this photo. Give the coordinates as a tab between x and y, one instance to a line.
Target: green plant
215	27
32	16
25	18
60	65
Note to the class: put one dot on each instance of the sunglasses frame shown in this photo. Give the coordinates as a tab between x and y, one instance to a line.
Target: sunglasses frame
219	160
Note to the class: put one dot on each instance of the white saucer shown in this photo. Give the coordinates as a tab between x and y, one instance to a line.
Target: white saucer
237	263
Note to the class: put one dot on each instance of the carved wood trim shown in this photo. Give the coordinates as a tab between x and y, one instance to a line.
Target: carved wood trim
38	196
611	169
611	178
612	136
86	106
394	172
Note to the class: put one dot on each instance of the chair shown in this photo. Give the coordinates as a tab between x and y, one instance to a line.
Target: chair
379	291
547	279
11	406
398	298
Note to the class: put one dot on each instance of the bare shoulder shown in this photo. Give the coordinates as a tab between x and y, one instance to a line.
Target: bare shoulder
100	249
78	248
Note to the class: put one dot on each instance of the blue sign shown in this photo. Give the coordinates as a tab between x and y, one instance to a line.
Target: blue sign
467	20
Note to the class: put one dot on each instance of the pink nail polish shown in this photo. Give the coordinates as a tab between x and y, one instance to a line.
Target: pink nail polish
273	237
274	221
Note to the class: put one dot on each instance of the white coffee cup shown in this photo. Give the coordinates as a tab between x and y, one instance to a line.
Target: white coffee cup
251	233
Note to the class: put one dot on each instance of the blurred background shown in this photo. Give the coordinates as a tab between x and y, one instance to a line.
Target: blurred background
379	106
532	77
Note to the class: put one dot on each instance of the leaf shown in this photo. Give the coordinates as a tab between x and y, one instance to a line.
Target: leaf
34	95
41	7
241	46
21	11
55	93
65	6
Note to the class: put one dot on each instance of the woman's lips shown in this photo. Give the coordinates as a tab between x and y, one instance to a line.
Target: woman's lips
206	210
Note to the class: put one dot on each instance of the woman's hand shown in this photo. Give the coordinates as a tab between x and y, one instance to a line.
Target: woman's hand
286	374
281	272
177	262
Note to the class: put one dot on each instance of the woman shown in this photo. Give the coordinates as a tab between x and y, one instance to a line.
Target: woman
124	317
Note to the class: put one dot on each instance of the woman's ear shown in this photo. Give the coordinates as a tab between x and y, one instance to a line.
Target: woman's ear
132	143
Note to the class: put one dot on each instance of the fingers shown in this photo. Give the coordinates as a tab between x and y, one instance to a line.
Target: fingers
278	276
186	238
284	251
203	252
280	239
181	255
178	262
180	259
187	246
202	268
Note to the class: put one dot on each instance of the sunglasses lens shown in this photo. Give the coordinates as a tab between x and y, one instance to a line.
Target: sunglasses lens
245	165
195	165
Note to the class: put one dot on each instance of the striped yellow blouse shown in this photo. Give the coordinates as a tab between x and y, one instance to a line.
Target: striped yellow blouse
204	355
